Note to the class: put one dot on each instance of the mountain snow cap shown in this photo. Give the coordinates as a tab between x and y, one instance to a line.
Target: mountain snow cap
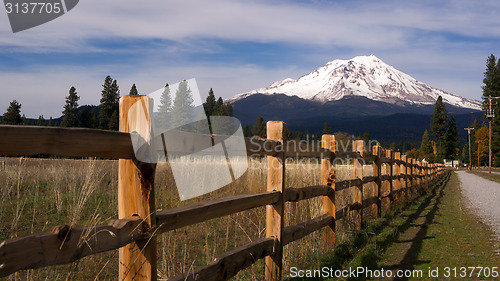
366	76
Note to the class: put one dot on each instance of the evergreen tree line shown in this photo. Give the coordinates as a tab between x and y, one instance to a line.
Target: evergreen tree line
443	141
259	129
106	115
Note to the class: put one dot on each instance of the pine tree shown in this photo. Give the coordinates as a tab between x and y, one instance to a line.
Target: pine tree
109	104
439	122
452	139
491	88
228	109
491	81
260	128
219	107
85	117
246	131
41	121
133	91
51	122
426	144
210	103
182	110
366	139
165	109
70	114
25	120
326	129
13	114
114	121
222	109
94	119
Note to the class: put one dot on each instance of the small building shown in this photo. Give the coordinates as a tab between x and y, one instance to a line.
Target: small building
452	163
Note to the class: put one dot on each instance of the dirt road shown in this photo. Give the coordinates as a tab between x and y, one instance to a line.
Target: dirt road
483	197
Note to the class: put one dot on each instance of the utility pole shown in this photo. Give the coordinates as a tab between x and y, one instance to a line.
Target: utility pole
470	159
490	115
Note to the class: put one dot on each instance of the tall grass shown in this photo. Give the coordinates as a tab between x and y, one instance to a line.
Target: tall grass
37	194
40	193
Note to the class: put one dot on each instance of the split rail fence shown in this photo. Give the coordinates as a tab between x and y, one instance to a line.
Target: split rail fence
134	232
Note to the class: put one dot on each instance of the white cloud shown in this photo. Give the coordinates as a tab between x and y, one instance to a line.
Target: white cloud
376	24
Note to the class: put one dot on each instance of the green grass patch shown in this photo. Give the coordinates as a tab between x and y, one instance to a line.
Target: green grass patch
445	235
491	177
366	248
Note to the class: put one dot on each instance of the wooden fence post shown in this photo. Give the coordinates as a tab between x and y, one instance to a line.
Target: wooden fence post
419	177
411	161
328	202
404	173
275	212
357	191
390	172
426	176
137	261
397	173
377	172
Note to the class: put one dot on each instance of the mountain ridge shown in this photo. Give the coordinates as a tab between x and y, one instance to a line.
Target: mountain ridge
365	76
352	114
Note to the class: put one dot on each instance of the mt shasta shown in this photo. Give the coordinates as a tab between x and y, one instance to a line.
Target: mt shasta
365	76
356	95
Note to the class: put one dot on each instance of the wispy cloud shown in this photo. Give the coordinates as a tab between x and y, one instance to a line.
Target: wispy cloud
376	23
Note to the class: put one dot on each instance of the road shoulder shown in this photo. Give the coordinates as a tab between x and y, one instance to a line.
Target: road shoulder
445	234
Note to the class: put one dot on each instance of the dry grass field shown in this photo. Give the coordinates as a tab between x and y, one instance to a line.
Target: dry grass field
37	194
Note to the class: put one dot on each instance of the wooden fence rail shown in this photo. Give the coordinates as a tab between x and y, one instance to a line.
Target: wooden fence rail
138	223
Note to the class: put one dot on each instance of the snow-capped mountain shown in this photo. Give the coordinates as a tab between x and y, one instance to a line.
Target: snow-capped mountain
365	76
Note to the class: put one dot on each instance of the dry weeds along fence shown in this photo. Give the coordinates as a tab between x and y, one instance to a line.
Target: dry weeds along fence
394	178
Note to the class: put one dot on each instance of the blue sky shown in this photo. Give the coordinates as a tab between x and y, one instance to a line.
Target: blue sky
238	46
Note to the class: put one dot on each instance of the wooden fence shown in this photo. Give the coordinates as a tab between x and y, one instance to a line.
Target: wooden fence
138	223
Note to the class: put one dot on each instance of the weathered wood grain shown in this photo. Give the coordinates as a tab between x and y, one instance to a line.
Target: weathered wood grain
328	201
357	191
275	212
198	212
65	244
137	261
75	142
303	193
341	185
377	184
296	232
230	263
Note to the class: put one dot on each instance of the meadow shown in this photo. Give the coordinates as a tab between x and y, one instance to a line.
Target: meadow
38	194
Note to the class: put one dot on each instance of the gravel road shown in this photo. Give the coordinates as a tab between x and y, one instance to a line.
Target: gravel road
483	196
